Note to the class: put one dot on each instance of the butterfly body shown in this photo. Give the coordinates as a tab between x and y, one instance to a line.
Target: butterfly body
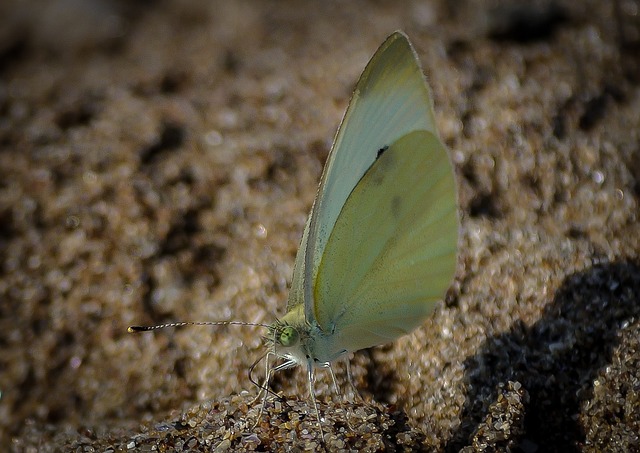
380	245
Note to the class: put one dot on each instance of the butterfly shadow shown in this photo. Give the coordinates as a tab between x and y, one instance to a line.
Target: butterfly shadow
554	362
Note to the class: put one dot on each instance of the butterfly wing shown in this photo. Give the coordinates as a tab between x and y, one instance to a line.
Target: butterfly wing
393	250
296	293
390	100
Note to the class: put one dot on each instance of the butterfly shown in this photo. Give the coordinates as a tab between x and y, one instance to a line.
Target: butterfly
380	246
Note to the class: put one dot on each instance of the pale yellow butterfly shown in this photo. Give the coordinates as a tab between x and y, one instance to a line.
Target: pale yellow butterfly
380	246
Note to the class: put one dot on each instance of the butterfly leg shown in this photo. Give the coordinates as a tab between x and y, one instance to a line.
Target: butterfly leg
311	379
336	389
354	389
341	398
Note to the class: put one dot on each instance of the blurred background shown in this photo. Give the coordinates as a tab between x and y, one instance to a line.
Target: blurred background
158	160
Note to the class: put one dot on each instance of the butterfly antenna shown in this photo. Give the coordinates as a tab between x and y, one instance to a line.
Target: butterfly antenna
134	329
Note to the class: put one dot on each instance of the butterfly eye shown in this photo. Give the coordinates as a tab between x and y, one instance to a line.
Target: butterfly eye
288	336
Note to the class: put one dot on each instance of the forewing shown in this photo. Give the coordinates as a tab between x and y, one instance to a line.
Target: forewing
391	99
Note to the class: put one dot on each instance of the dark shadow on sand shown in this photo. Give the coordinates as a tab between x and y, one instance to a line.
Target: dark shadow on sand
556	360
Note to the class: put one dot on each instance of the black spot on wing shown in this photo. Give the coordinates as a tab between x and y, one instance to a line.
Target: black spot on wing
381	151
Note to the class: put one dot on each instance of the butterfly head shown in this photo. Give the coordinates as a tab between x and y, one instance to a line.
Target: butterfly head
289	338
284	341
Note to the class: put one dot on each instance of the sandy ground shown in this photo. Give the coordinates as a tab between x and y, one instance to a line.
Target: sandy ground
158	160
